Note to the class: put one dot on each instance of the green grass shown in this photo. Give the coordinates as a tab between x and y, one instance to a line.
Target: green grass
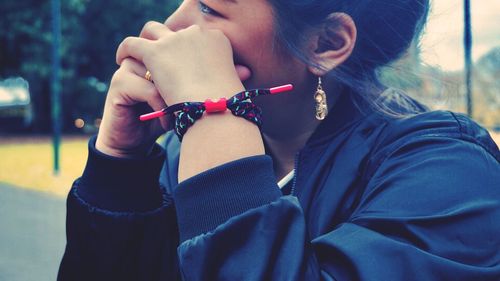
28	163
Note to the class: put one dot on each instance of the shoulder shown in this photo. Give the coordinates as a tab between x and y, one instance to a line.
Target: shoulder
451	140
437	155
435	125
414	120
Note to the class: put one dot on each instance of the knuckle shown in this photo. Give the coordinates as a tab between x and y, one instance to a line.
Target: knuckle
126	62
119	78
148	27
125	45
150	24
162	43
115	101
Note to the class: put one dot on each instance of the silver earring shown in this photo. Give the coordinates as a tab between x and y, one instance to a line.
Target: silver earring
321	105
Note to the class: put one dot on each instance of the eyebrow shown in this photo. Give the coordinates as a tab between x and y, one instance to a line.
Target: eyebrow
230	1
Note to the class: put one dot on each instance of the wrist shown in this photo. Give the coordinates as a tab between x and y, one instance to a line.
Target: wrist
220	138
139	151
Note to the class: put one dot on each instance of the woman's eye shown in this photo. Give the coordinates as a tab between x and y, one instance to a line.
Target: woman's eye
207	10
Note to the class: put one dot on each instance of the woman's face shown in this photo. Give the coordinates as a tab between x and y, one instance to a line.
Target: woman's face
249	25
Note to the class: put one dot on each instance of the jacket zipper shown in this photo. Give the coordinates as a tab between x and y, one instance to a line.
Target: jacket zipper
295	166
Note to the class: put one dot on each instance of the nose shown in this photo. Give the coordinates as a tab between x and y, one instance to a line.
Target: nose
182	18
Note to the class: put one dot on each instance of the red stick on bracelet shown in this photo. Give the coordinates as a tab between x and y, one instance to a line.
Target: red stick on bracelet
152	115
281	89
163	112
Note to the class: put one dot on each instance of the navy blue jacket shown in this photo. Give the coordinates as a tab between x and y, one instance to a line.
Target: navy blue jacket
373	198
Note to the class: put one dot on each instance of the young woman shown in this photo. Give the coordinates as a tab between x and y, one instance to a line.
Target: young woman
373	187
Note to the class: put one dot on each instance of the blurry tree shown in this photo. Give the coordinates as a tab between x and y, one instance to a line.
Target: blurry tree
91	32
487	89
446	89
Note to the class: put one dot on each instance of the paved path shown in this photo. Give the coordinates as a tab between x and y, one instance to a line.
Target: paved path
32	234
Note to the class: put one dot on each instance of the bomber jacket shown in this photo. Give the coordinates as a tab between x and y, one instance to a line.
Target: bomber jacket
373	198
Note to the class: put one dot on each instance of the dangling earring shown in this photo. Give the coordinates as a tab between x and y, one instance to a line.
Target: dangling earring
321	105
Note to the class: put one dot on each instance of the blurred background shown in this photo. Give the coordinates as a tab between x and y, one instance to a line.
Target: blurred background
56	61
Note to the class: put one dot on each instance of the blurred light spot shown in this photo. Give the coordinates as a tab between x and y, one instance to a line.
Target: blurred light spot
79	123
101	87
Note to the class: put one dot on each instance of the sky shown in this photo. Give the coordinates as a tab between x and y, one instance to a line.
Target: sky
442	42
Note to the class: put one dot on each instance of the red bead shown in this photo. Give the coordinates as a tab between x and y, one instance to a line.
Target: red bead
217	106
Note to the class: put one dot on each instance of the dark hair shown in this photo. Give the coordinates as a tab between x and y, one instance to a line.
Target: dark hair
386	28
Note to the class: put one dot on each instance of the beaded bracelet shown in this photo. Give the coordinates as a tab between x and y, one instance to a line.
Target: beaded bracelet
240	105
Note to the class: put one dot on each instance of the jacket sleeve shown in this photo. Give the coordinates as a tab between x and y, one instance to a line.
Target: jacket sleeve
120	223
430	212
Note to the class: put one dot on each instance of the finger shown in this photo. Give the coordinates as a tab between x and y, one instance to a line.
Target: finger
134	66
134	47
141	90
153	30
134	89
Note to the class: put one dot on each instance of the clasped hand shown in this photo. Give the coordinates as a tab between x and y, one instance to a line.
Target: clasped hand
192	64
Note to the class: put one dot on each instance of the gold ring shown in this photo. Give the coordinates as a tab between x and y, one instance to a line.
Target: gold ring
148	76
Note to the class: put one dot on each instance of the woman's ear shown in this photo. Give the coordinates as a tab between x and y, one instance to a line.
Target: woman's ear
332	44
